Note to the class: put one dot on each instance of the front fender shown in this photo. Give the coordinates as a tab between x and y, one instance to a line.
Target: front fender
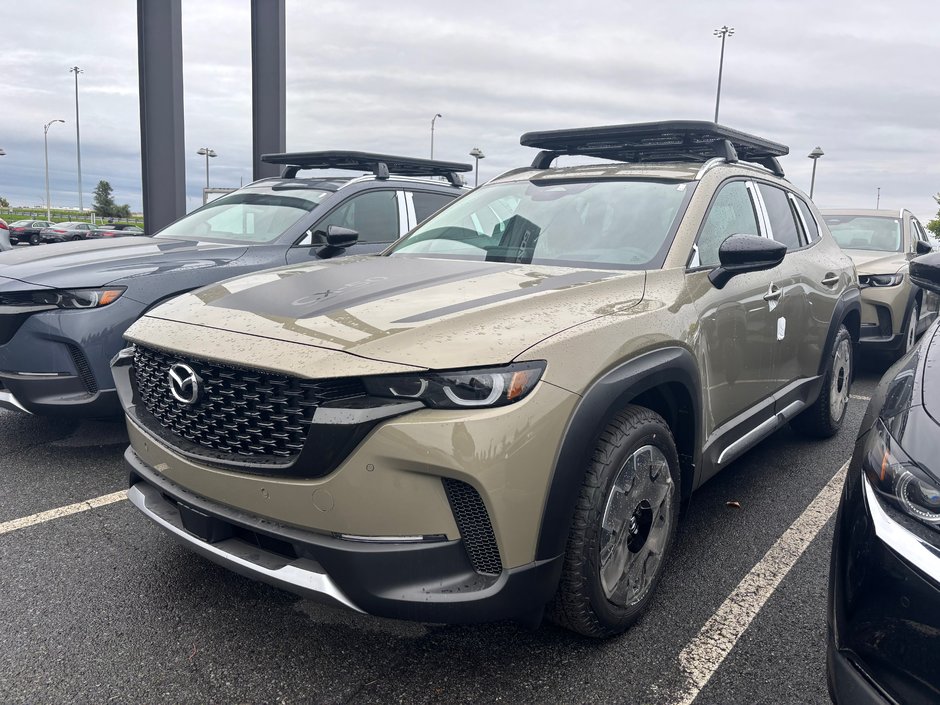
605	397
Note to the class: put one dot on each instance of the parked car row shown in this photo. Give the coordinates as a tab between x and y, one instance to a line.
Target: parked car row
407	398
36	232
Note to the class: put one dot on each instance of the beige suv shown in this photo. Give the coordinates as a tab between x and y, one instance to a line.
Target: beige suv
882	243
502	413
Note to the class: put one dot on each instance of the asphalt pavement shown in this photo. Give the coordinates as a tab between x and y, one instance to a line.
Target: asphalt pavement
100	606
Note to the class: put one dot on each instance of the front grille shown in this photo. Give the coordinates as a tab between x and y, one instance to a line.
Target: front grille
83	368
474	525
238	411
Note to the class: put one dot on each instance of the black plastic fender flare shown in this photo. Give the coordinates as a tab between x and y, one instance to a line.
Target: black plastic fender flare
849	301
606	396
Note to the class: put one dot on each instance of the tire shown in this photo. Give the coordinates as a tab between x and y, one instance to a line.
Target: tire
824	417
34	239
592	597
76	237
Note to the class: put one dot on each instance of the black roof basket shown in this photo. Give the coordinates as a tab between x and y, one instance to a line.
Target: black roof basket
669	141
382	165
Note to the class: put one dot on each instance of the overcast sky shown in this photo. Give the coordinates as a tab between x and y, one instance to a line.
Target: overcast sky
857	77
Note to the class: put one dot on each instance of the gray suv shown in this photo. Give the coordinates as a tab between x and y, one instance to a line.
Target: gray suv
64	308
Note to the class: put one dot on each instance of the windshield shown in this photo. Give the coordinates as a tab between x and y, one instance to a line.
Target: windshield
249	216
601	224
879	233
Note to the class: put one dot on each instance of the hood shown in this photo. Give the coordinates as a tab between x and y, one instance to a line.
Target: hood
88	263
427	312
874	262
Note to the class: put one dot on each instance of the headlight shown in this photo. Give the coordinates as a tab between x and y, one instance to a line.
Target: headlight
492	386
899	480
63	298
880	279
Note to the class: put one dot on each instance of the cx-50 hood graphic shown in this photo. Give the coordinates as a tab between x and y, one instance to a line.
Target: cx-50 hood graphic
422	312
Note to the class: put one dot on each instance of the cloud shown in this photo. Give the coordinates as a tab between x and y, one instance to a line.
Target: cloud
851	77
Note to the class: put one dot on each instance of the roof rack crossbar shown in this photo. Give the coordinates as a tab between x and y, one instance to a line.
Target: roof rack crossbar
669	141
382	165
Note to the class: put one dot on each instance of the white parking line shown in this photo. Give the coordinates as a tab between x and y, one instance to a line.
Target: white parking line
50	514
859	397
705	653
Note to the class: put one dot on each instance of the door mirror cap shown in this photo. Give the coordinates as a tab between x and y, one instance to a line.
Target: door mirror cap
925	272
923	248
337	239
745	253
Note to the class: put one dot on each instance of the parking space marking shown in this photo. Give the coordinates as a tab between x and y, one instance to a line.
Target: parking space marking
705	653
50	514
859	397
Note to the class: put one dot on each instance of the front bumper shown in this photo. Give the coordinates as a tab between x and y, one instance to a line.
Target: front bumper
884	311
56	362
884	604
423	581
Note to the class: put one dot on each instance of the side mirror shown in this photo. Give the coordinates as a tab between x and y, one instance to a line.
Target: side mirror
925	272
337	236
337	239
922	248
745	253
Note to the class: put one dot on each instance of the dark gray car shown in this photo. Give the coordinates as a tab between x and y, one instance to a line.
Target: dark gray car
64	308
64	232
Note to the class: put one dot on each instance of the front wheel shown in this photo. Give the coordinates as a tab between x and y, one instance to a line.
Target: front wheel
34	239
824	417
623	527
910	334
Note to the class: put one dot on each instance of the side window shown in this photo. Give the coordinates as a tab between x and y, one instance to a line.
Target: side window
781	216
428	203
374	215
812	228
731	213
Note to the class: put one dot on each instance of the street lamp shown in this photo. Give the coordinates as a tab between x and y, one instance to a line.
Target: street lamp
724	33
207	152
45	139
477	154
78	138
432	133
814	155
2	153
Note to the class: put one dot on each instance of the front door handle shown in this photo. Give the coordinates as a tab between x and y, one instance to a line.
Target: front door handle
773	294
831	279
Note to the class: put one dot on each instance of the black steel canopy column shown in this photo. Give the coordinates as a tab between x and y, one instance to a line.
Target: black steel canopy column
160	68
268	84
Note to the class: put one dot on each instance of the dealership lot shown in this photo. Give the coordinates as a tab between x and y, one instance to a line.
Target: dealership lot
101	606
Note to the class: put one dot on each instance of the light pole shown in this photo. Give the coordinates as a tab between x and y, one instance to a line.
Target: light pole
477	154
45	139
878	199
724	33
207	152
438	115
78	138
814	155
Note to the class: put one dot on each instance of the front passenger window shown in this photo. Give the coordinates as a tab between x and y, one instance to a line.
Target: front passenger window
731	213
374	215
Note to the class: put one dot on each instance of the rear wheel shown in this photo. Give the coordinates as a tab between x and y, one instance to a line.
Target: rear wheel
824	417
623	527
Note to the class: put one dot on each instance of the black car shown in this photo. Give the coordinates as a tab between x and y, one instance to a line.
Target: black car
884	583
27	231
115	230
64	308
63	232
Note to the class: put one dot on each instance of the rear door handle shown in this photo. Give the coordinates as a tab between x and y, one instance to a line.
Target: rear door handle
831	279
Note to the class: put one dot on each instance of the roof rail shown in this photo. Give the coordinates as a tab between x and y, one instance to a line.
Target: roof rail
668	141
382	165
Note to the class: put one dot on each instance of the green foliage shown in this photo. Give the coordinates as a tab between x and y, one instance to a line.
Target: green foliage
105	207
934	225
4	203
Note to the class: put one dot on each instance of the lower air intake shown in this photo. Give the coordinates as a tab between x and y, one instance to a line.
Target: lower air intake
83	369
474	525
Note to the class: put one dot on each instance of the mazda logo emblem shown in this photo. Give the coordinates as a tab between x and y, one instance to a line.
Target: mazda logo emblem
184	383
